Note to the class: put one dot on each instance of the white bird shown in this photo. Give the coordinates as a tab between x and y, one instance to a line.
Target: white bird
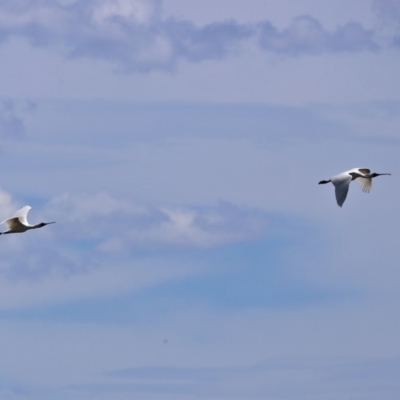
18	222
342	181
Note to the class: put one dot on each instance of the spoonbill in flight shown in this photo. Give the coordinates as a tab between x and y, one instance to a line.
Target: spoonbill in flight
342	181
18	222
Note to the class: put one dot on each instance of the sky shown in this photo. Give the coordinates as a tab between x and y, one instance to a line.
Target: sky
178	146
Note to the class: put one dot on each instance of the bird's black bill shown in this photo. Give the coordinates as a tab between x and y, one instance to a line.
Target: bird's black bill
375	174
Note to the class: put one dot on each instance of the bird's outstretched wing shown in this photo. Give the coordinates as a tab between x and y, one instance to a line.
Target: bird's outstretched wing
365	184
21	214
18	219
14	224
341	183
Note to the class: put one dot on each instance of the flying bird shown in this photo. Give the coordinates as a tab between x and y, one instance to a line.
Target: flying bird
362	176
18	222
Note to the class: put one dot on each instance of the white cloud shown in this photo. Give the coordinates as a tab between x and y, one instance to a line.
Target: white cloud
61	264
134	35
120	225
94	247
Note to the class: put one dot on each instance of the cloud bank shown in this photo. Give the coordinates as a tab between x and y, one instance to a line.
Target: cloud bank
136	36
102	244
96	230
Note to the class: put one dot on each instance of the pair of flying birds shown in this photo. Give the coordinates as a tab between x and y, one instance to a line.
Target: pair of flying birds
18	223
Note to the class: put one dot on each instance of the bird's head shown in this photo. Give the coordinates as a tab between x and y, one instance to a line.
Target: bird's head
45	223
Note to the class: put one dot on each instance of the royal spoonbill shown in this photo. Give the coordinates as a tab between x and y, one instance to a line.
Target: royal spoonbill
18	222
362	176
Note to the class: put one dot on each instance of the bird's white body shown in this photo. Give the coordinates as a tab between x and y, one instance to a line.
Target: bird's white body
362	176
18	223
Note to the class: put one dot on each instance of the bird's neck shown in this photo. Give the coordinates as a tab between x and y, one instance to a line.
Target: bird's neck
35	226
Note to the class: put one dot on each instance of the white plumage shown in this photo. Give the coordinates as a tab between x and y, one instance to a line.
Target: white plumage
18	223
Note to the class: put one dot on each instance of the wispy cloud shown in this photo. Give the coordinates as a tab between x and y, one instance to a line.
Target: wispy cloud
338	376
306	35
136	36
97	236
119	225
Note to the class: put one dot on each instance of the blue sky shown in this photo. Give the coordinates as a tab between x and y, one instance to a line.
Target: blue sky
178	145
